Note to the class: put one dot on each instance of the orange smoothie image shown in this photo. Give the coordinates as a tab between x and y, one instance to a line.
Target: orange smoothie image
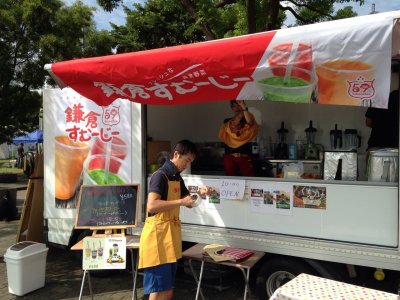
344	82
68	164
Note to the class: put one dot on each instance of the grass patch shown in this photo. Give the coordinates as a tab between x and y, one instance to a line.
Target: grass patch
7	166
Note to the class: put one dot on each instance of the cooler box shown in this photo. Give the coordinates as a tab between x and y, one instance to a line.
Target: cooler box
26	267
383	165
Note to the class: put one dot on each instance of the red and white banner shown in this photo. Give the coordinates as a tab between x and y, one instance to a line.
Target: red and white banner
345	62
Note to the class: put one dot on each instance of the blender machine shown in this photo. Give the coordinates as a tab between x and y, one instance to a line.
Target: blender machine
336	138
311	150
281	151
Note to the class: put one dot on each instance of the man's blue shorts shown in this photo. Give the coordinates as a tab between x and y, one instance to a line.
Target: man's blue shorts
159	278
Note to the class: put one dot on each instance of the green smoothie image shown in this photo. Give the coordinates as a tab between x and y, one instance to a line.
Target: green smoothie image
98	170
99	176
296	87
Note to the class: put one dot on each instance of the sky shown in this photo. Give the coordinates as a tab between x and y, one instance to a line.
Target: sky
118	16
365	9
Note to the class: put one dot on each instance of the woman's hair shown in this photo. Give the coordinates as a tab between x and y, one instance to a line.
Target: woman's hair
184	147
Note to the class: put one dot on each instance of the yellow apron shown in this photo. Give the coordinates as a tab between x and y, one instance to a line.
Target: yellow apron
161	238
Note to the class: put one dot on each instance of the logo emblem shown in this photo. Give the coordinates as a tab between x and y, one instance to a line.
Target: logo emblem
111	115
361	88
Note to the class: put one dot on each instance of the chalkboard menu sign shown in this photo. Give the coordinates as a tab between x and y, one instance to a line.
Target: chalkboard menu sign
107	206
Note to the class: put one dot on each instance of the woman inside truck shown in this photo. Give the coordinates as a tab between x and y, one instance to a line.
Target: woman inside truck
237	133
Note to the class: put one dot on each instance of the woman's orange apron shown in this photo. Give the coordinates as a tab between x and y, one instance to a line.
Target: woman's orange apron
161	238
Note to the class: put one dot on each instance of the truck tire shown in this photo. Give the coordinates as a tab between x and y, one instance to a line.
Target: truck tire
277	271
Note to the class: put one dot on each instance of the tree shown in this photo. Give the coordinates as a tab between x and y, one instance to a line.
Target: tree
162	23
270	13
323	10
33	33
156	24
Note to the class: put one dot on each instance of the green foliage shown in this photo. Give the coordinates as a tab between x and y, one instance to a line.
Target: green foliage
346	12
162	23
156	24
109	5
33	33
314	11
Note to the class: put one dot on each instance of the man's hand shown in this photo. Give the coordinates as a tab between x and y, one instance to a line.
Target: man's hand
188	201
241	104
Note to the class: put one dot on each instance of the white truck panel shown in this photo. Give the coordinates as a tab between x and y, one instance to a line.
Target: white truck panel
357	212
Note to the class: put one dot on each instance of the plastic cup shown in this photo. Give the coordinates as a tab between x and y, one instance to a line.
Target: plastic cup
87	252
95	171
100	251
280	54
344	82
197	197
94	254
118	148
297	87
69	158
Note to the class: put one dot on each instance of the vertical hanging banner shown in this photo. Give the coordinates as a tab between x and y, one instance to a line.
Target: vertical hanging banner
343	62
85	144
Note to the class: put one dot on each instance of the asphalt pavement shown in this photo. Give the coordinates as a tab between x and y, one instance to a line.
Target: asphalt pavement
63	276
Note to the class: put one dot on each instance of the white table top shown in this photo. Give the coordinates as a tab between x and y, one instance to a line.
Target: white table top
307	287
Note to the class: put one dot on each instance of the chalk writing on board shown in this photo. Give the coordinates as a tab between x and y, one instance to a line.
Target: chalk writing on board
107	206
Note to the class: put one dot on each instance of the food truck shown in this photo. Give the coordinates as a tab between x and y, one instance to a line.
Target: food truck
315	204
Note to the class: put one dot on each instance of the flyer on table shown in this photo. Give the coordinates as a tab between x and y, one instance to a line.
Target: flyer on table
104	253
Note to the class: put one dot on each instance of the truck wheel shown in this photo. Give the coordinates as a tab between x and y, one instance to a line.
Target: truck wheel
276	272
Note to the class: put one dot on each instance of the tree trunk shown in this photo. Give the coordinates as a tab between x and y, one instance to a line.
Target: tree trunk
251	16
273	15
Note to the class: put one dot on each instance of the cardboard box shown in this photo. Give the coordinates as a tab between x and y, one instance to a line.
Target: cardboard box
155	147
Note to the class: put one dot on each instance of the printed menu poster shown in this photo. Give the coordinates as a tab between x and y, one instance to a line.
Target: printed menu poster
271	198
210	201
104	253
309	196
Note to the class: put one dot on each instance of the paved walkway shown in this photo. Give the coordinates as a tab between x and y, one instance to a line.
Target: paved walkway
64	275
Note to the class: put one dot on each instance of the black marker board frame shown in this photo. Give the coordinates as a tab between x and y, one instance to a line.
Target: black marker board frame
107	206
